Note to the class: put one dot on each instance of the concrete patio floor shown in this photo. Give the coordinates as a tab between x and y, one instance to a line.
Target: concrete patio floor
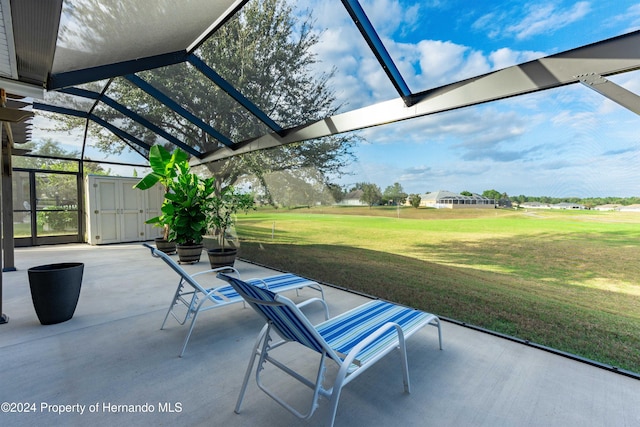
113	353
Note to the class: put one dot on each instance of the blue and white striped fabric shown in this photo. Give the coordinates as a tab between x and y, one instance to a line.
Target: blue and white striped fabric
283	318
277	283
344	332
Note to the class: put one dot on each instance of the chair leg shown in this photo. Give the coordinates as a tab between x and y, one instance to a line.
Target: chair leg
333	404
173	304
176	296
252	361
335	392
186	339
436	322
405	369
167	315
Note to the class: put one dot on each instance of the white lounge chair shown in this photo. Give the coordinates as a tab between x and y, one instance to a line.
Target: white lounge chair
354	340
193	297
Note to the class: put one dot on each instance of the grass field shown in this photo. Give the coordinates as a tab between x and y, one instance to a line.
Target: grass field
565	279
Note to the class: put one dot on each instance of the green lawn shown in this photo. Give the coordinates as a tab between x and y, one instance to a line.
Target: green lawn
568	280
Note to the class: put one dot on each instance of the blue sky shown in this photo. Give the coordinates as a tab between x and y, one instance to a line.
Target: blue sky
563	142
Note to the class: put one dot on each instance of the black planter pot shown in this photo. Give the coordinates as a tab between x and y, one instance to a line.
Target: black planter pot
55	289
222	257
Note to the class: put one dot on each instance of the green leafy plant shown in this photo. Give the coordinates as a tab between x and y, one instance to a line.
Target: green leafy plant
186	208
165	168
187	200
57	218
224	209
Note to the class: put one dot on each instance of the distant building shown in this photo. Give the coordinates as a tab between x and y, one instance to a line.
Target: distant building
566	205
563	205
505	203
448	200
608	207
630	208
535	205
353	199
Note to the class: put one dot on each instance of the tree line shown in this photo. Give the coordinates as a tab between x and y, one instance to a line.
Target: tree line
395	195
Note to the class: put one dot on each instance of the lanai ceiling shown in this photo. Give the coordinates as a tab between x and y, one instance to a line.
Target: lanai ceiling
61	56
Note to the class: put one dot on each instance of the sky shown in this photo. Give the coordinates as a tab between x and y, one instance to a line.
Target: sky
566	142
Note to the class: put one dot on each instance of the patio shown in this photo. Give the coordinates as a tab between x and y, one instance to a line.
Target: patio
113	353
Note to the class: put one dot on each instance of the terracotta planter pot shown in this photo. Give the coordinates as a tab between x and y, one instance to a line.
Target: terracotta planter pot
55	289
222	257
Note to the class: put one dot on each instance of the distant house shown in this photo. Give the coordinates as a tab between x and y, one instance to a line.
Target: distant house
630	208
608	207
448	200
505	203
563	205
353	199
566	205
535	205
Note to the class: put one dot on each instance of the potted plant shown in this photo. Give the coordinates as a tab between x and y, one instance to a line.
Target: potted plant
164	170
224	209
185	210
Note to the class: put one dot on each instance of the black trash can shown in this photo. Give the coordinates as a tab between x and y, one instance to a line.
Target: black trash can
55	289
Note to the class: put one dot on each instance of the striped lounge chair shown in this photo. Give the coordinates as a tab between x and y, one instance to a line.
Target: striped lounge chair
191	297
354	340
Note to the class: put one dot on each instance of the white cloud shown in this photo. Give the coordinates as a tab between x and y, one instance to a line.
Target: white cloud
433	63
630	18
531	20
506	57
574	119
547	18
439	58
389	15
469	130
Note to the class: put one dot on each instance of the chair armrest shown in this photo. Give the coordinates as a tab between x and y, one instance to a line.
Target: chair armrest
312	300
217	270
351	357
258	279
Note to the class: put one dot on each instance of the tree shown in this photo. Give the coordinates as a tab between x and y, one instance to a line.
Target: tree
53	158
266	52
493	194
520	199
224	210
61	188
394	194
57	193
286	189
371	194
466	193
415	200
336	191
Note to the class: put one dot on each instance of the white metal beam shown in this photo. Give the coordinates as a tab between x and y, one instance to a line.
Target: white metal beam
613	56
17	88
614	92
